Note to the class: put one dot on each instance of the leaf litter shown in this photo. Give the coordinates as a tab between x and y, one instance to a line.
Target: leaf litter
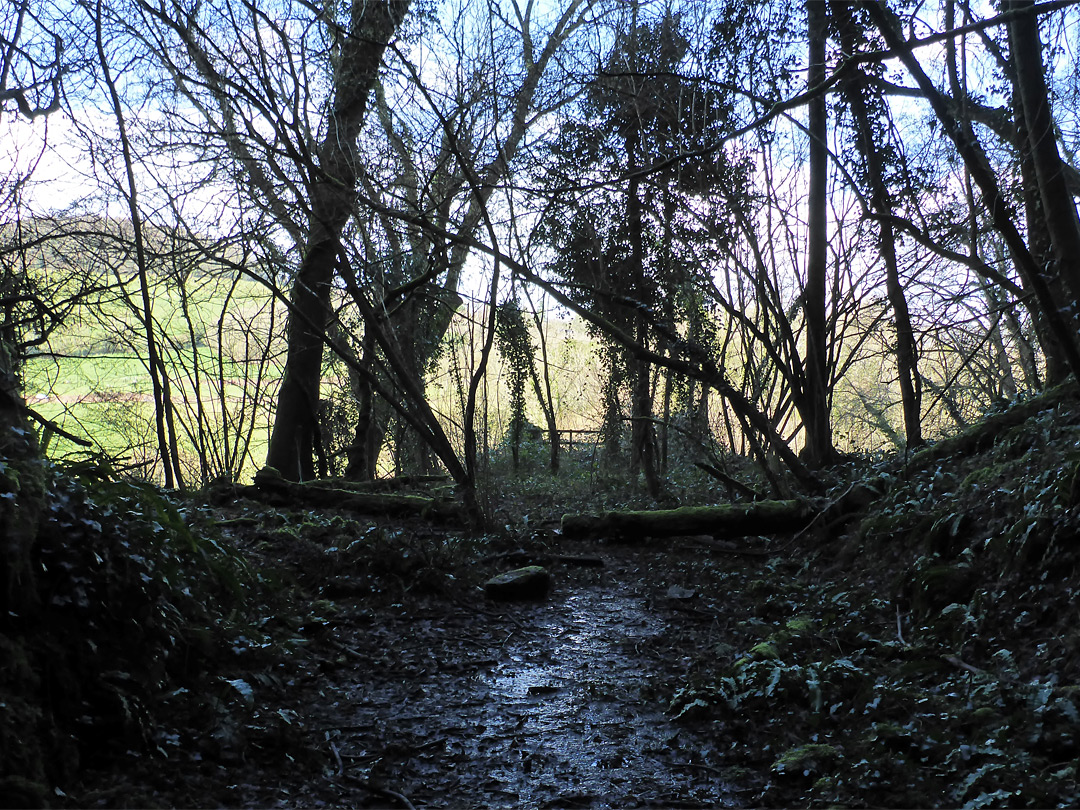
912	659
386	679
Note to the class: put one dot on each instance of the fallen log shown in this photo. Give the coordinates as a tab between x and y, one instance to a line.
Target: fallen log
271	487
989	430
727	521
395	484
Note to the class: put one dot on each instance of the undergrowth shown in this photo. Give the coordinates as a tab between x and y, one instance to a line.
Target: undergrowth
137	606
937	663
926	654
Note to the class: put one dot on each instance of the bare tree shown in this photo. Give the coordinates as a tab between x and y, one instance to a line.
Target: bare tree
31	70
815	397
32	64
1058	206
970	150
159	378
860	97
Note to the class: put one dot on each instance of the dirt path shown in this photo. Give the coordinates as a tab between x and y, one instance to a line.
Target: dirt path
555	704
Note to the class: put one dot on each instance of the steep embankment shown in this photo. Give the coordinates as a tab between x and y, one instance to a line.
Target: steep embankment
928	654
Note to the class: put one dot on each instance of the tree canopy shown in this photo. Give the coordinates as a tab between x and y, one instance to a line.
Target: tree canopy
803	228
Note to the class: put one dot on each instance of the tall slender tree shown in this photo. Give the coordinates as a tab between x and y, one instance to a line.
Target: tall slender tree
1058	206
861	99
815	397
1001	212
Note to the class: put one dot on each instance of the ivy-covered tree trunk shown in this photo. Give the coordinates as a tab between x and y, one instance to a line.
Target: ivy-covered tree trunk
517	351
611	427
295	431
22	495
642	434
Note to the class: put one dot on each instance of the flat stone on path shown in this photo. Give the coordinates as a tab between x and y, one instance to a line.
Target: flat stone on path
530	582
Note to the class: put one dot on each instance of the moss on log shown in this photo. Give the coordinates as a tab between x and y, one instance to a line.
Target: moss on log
273	488
729	520
982	435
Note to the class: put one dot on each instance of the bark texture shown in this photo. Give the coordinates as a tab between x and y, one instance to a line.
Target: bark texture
858	92
967	145
1058	207
815	394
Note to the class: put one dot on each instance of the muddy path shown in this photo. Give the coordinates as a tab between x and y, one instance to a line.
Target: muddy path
467	703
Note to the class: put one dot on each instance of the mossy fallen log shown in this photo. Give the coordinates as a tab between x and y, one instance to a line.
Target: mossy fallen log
392	484
726	521
273	488
982	435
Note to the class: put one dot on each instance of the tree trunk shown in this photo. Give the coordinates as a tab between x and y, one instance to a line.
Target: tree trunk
19	511
292	442
963	137
362	453
729	520
1058	207
1038	239
975	438
1038	236
906	349
544	395
482	183
815	396
1006	387
1025	339
611	428
642	435
162	403
338	494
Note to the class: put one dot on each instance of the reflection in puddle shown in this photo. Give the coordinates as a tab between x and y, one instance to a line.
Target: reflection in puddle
551	705
568	703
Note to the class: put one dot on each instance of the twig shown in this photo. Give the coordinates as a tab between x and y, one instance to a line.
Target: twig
728	481
48	424
337	757
379	790
964	665
734	551
899	627
337	645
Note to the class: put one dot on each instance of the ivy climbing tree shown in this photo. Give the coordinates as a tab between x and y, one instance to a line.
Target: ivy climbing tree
515	345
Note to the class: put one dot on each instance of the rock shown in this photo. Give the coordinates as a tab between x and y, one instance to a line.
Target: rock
680	593
530	582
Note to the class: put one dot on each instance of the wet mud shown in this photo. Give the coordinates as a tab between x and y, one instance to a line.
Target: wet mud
472	704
